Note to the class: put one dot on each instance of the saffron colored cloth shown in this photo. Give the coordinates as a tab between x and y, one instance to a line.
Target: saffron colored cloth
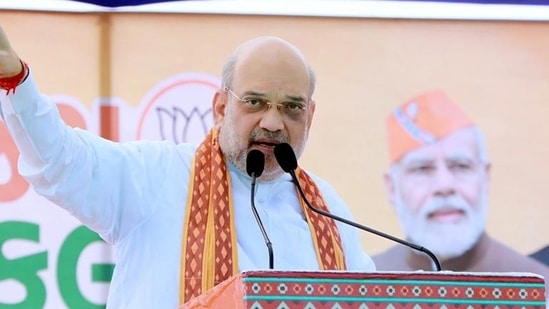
134	196
210	255
421	121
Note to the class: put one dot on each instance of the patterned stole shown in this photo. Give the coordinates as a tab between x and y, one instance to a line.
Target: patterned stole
326	239
209	248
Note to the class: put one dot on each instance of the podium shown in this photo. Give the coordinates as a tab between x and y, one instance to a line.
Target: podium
377	290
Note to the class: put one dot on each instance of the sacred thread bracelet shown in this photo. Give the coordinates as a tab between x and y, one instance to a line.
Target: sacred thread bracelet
10	83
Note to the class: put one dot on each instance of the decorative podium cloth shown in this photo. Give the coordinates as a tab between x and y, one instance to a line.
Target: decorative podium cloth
379	290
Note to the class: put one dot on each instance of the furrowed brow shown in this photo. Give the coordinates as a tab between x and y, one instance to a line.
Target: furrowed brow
253	93
296	98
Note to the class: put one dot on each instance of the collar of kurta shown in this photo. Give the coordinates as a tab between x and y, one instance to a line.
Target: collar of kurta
209	251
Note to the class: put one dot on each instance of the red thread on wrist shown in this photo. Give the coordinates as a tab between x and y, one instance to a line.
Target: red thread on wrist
10	83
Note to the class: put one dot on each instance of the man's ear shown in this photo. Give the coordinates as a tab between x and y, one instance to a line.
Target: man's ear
311	114
219	106
390	188
487	173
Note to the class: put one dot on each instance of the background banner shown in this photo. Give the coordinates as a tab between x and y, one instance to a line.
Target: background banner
130	76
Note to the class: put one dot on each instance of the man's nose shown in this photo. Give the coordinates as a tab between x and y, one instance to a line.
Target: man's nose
272	119
444	182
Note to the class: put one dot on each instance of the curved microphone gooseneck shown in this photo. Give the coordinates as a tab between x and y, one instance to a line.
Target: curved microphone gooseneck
255	163
288	162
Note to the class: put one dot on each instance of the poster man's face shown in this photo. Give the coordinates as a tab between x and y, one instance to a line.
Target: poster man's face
439	193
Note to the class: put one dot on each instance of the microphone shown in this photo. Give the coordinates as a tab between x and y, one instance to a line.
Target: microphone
255	163
287	160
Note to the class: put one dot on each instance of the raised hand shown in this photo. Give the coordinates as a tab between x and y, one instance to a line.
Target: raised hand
10	65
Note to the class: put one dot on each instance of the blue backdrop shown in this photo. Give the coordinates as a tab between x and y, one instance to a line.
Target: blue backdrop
115	3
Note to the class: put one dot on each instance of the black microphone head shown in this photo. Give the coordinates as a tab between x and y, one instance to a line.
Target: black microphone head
255	163
285	156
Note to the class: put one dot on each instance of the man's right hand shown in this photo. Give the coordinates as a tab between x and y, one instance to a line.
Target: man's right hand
10	65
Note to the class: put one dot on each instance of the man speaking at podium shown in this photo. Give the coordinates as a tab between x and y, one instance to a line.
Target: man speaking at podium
179	216
438	187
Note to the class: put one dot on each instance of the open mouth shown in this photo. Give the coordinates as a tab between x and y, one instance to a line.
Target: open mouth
267	147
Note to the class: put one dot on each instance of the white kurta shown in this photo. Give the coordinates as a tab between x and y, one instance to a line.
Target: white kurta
134	194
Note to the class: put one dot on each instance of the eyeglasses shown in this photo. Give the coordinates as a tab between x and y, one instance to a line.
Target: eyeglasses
254	104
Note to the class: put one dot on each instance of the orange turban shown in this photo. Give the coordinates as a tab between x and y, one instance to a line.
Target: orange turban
421	121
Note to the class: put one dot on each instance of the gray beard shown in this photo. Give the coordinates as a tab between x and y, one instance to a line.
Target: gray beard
236	152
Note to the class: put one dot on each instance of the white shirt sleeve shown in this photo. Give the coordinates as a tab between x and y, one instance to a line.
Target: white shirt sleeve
108	186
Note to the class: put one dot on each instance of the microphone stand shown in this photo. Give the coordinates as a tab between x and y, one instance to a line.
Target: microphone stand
261	227
363	227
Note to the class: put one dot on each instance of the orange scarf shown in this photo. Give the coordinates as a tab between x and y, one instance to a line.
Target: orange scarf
209	250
